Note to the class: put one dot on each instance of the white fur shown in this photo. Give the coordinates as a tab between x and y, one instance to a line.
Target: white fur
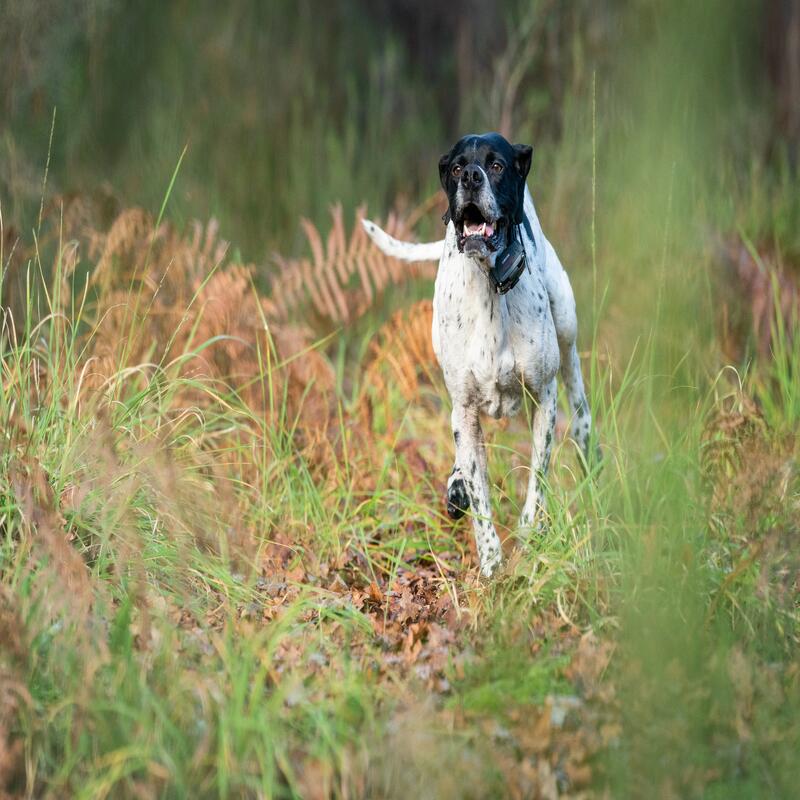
405	251
492	348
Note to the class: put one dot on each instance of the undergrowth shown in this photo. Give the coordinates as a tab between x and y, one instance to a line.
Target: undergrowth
225	567
226	570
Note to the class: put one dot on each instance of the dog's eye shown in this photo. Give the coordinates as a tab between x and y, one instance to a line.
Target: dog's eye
456	170
497	167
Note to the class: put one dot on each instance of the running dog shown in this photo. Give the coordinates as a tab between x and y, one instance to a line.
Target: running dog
504	323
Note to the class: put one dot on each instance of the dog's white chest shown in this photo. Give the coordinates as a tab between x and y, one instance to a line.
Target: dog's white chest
490	346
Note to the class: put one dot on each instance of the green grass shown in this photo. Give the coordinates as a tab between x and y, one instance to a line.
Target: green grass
146	659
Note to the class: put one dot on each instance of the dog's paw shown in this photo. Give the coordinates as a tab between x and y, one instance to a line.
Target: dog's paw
592	456
532	526
597	465
457	498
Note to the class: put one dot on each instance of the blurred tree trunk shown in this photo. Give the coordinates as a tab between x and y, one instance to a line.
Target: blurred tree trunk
465	58
782	54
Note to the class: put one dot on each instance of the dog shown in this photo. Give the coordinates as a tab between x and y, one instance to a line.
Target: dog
504	323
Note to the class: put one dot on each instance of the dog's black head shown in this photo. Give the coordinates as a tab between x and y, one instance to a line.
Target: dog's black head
484	178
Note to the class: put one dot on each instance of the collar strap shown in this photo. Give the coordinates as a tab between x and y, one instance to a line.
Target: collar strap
527	223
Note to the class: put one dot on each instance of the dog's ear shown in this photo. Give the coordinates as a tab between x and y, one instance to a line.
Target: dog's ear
522	159
523	153
444	171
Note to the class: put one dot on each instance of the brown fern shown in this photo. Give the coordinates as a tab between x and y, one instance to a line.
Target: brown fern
344	277
401	355
171	300
163	295
756	289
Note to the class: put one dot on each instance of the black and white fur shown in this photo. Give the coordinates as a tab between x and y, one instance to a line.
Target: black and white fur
493	347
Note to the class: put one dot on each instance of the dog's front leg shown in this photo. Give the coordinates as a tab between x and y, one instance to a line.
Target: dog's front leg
544	423
471	467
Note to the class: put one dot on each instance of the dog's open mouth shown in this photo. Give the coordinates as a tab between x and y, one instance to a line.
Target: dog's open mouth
477	234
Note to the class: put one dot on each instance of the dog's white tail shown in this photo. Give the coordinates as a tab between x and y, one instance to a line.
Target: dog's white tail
406	251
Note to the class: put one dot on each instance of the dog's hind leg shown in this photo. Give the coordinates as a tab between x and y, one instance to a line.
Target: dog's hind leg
562	307
473	475
581	416
544	423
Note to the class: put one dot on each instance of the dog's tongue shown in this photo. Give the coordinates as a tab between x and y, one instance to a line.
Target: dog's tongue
478	229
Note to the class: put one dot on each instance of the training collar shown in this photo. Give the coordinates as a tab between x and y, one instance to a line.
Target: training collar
510	264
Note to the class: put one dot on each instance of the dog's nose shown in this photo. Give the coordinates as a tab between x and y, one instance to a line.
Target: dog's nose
472	176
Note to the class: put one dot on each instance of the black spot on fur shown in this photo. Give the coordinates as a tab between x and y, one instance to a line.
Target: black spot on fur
457	437
457	499
473	468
